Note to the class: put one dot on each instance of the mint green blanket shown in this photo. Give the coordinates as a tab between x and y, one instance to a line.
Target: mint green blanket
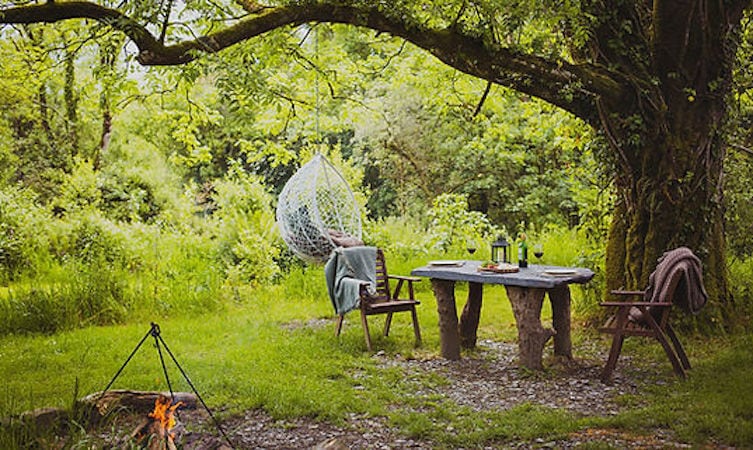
346	271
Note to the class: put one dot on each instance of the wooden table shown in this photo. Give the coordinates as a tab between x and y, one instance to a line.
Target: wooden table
525	289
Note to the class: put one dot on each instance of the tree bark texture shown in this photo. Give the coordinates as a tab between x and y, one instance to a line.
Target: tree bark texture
668	142
469	319
444	291
526	305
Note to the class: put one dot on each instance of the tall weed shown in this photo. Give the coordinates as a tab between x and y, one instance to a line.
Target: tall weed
86	298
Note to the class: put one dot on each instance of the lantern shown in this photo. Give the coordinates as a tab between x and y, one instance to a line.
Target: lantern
499	250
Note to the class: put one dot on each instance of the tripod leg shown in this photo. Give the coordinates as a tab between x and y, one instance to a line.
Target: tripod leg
188	380
117	374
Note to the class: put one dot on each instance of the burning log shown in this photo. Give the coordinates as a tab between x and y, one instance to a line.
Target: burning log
156	431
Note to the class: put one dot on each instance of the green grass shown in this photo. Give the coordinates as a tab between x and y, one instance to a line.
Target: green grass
273	347
236	356
712	405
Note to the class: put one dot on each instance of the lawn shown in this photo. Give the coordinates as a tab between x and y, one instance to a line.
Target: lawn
276	351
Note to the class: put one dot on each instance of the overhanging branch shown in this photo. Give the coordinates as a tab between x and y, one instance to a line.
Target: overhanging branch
572	87
55	12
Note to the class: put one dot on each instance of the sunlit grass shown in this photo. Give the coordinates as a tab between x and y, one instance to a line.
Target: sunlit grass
274	348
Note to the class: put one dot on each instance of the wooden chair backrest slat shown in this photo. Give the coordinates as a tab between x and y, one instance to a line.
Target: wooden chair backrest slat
382	281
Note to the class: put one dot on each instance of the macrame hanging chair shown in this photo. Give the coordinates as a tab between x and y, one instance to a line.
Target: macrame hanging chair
317	211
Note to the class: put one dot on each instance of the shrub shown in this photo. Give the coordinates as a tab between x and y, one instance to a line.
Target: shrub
21	236
451	223
245	226
94	240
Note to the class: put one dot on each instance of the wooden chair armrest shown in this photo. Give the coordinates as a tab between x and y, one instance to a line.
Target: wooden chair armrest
660	304
404	278
621	292
400	280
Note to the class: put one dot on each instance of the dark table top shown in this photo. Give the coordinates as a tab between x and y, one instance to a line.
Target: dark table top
533	276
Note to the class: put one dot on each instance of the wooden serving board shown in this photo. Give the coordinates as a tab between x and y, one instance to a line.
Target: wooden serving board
506	269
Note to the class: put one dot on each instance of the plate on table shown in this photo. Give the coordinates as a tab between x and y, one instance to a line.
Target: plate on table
445	263
560	272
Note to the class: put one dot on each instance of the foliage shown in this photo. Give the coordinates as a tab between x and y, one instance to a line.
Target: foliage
21	242
137	182
248	244
452	225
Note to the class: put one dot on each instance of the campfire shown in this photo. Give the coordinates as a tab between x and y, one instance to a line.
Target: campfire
156	431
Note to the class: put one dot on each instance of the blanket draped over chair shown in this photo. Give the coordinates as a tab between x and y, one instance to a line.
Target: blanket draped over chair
357	278
677	280
689	293
345	272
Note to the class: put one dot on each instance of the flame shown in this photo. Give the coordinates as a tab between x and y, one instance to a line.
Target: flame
164	412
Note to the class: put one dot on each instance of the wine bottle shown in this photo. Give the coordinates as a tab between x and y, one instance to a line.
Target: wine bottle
522	251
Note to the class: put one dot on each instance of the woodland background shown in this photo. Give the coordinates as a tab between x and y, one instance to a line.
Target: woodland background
129	194
129	191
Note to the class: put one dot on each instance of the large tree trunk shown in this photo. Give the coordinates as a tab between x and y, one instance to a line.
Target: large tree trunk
658	212
669	149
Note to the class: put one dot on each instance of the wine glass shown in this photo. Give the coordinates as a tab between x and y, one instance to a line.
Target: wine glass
538	251
470	245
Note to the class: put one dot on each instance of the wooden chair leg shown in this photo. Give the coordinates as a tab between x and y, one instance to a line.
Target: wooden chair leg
614	353
387	324
365	324
339	324
617	340
662	338
416	328
678	347
673	358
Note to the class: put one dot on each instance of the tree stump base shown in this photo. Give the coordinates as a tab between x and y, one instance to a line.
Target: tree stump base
469	319
532	336
444	291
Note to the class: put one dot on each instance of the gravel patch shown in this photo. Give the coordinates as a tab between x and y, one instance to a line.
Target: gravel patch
489	379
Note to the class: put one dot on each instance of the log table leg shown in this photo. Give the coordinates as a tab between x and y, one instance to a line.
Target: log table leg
526	305
560	300
469	318
444	291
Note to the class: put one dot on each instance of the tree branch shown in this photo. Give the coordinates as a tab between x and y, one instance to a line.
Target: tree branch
483	99
56	12
569	86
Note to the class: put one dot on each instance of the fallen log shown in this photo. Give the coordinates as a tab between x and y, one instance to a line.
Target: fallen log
133	401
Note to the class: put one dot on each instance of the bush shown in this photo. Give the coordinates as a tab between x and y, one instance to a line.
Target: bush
21	234
452	224
245	225
91	240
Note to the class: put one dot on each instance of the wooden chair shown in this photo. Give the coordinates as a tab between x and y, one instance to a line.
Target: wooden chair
385	301
651	318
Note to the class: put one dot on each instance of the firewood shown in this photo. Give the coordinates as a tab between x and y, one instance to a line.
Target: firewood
133	401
